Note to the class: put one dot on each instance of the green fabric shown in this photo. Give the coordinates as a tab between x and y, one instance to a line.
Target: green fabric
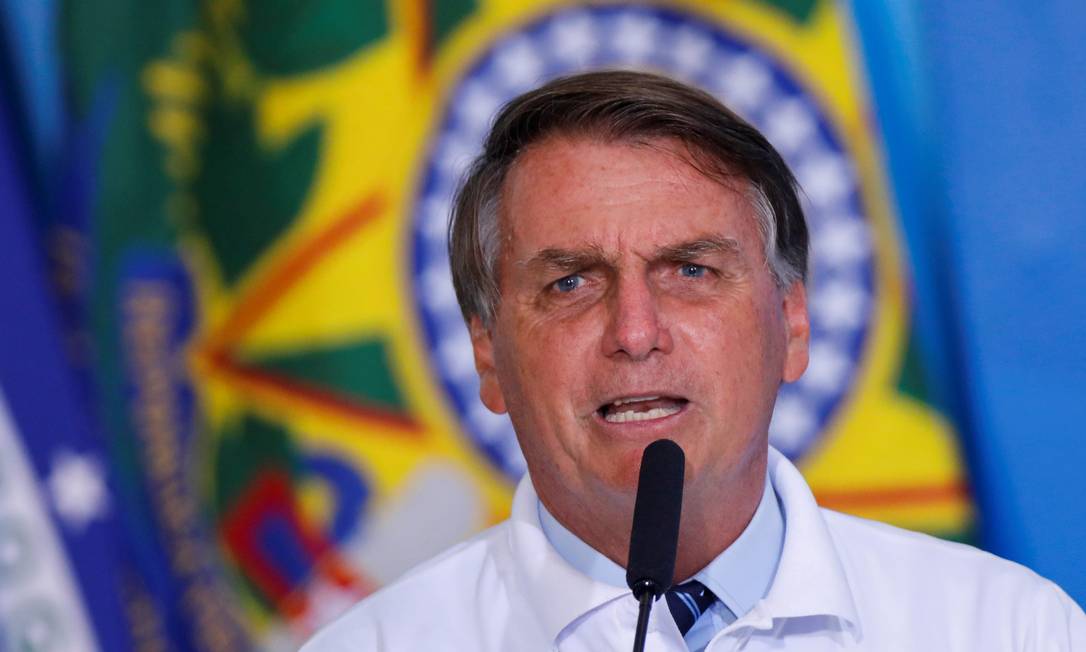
447	16
248	194
358	371
288	37
911	380
247	448
798	10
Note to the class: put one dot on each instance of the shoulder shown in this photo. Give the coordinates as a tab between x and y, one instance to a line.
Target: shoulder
419	607
871	545
944	579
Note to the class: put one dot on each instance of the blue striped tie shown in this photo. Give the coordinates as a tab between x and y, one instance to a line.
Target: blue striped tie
687	602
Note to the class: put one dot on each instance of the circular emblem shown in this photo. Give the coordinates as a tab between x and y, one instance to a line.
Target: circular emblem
748	80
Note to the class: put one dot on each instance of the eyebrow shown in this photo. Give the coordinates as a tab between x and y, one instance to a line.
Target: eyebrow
594	255
694	249
568	259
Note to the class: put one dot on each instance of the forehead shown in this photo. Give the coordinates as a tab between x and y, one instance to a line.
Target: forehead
576	192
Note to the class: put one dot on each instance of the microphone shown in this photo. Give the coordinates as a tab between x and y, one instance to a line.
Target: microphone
654	536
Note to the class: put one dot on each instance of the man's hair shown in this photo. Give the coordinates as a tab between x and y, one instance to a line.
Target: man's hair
620	106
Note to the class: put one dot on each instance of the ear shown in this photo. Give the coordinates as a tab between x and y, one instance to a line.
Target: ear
490	390
797	331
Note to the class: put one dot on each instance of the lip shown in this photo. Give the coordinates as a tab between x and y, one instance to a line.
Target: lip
659	393
658	426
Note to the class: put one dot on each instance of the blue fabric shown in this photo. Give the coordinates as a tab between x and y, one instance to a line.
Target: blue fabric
981	106
39	388
29	30
739	577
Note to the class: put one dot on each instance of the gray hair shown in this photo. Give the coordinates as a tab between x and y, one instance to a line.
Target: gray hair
620	106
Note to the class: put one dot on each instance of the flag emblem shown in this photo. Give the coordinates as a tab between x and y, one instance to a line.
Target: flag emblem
743	76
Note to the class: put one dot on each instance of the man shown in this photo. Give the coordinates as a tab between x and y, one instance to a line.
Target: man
630	257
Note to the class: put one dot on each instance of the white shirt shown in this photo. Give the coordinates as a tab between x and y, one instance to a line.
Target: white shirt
739	576
842	583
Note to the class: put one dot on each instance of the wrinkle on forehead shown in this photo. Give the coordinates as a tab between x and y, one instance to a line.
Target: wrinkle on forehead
689	155
556	189
684	157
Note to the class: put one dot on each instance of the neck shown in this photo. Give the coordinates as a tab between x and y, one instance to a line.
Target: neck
712	519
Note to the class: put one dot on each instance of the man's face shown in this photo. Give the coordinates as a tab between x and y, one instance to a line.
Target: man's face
636	304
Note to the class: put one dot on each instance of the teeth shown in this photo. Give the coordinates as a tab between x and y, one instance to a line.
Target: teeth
623	401
648	415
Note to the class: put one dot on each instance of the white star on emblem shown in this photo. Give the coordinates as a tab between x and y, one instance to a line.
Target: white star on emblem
827	370
573	38
634	37
839	306
76	485
457	355
744	82
455	155
437	287
842	241
435	221
788	125
792	420
825	177
492	427
691	51
477	106
519	64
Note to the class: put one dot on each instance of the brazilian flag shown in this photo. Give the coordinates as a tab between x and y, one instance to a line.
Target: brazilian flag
284	384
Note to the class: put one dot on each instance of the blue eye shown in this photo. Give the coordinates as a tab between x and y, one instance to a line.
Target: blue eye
690	270
568	283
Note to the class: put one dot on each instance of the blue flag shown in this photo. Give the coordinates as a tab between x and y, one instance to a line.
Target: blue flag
62	589
982	109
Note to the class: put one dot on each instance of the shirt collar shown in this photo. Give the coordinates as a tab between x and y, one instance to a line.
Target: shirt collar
810	579
558	592
740	576
579	554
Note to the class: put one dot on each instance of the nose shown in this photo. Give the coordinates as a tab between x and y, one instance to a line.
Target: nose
635	329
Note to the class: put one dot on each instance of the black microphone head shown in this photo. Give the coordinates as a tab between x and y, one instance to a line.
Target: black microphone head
654	536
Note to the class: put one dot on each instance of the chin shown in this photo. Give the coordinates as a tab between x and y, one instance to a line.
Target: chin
622	472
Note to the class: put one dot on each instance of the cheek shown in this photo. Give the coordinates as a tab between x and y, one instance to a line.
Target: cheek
553	350
739	349
538	373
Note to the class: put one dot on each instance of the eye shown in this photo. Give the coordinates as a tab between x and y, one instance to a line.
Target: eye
568	283
691	270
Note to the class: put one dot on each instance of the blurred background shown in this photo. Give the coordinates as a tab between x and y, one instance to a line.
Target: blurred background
236	395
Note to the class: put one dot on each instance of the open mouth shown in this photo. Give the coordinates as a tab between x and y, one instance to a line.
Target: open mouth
641	408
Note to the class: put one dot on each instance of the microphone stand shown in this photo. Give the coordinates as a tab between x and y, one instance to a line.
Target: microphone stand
645	591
